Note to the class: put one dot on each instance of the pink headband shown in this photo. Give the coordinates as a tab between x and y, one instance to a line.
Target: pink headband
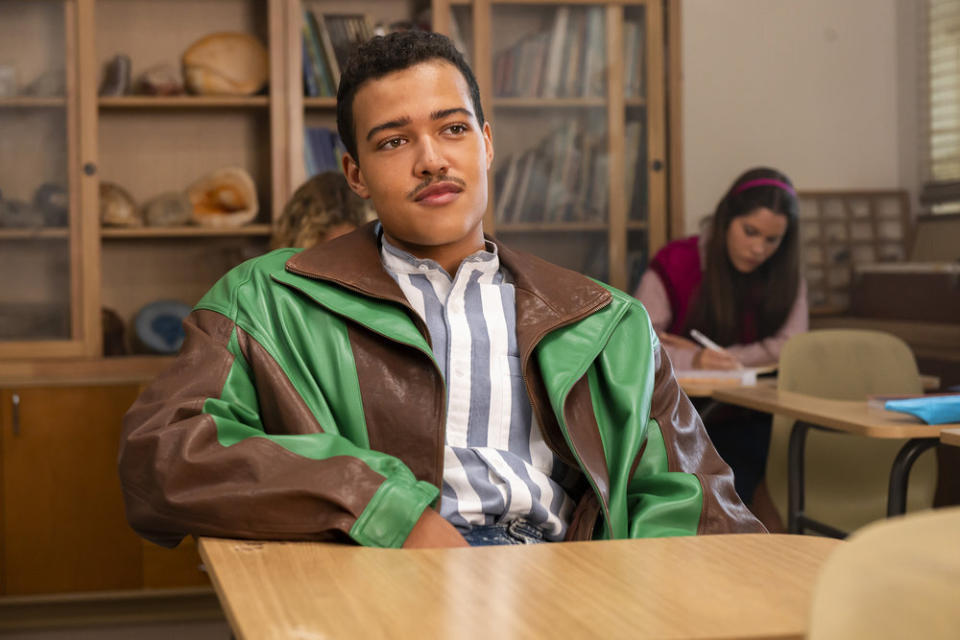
764	182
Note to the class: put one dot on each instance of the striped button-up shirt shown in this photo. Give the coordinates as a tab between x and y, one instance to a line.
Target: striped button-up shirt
497	467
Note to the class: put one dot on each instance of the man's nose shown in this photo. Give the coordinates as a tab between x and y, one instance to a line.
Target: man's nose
430	160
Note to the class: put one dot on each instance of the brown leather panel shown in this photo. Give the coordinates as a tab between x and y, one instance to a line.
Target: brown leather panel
282	409
690	450
392	376
178	479
585	434
352	260
584	518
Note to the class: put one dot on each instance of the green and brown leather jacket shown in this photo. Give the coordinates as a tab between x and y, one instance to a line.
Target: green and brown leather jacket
306	404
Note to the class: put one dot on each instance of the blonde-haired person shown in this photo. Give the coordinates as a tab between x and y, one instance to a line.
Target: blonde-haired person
322	208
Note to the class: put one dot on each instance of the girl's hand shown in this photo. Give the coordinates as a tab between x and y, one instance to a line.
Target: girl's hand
713	359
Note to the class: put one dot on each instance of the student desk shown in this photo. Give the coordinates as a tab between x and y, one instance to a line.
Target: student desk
743	586
950	436
854	417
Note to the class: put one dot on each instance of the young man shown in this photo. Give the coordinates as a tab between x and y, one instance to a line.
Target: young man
413	383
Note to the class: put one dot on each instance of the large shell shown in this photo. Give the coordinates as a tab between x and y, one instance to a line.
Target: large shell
225	64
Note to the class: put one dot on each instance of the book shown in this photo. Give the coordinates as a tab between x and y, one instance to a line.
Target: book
553	70
321	72
746	377
329	53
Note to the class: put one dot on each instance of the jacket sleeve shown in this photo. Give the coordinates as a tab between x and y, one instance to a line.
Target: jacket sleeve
203	453
679	469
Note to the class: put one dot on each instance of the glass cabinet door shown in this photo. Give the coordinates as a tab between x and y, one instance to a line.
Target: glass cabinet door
568	91
39	208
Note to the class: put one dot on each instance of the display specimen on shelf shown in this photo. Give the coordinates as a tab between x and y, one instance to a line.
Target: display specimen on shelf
224	198
233	64
566	59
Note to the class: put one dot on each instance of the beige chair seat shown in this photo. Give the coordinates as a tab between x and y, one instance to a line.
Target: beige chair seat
899	578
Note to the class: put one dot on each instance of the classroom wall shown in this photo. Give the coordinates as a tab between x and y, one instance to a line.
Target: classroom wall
823	89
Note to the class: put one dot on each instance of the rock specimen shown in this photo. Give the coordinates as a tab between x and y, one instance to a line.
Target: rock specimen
169	209
226	64
117	207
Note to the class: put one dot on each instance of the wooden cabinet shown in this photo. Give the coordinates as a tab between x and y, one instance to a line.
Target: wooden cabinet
576	94
62	522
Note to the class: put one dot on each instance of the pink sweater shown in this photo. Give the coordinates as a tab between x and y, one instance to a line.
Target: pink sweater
653	294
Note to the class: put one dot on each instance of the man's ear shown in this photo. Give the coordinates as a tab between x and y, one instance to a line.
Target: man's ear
488	142
355	177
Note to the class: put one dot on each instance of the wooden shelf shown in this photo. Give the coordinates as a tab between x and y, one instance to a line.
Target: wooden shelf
552	227
108	233
34	234
320	103
183	102
548	103
29	102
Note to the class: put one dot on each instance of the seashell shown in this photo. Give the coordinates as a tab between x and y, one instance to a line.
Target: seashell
226	64
224	198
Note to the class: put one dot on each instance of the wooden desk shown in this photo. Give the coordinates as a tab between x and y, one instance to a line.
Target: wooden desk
727	586
950	436
854	417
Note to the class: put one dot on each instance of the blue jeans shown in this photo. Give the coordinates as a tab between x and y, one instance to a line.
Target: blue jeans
517	532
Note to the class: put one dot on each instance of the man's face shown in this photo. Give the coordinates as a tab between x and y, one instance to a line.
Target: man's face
422	158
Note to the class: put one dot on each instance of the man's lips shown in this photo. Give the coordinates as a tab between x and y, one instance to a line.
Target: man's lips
439	193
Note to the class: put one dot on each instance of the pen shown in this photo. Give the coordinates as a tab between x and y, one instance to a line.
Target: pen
704	340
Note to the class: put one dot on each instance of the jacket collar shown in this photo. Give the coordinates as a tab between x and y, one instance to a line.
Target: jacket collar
548	296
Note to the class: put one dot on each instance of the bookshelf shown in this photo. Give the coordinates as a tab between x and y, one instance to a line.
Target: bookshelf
576	97
596	148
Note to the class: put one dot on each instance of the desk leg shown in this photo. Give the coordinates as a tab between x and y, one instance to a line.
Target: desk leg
795	480
900	473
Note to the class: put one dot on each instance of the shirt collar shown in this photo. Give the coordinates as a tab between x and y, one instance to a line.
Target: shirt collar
397	261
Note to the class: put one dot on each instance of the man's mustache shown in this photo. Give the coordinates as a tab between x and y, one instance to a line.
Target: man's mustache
429	182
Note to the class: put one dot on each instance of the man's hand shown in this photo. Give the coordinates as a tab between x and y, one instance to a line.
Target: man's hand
713	359
432	531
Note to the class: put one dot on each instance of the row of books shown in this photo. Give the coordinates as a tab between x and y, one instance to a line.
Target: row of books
328	41
322	150
565	177
568	59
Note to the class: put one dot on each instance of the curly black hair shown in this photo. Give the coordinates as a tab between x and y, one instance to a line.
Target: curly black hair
394	52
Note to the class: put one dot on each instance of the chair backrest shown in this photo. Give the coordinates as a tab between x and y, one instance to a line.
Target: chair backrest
846	476
899	578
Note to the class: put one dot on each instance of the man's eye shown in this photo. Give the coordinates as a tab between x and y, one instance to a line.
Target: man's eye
457	129
392	143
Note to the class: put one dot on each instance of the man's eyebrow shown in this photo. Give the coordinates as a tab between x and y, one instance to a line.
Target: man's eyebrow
443	113
401	122
392	124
